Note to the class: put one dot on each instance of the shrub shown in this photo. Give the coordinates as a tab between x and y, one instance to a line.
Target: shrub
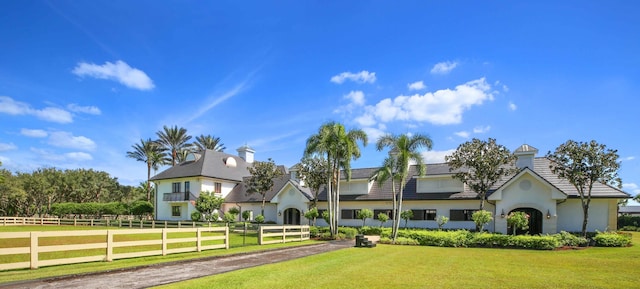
612	239
628	221
568	239
196	216
441	220
481	218
534	242
347	233
314	231
399	241
490	240
259	219
383	217
459	238
366	230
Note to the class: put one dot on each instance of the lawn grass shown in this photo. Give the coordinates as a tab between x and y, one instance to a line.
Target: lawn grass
235	243
389	266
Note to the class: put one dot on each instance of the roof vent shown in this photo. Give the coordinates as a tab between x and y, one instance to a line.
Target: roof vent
230	162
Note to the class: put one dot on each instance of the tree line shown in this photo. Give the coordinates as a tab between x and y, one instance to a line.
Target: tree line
37	193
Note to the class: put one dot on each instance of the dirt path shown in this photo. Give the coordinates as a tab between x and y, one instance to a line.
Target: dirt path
154	275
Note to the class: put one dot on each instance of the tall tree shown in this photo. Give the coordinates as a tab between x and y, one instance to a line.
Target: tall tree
339	146
174	139
208	142
584	164
388	171
261	179
313	171
152	154
480	164
404	149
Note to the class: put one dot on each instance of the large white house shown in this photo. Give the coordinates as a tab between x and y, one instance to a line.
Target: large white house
553	204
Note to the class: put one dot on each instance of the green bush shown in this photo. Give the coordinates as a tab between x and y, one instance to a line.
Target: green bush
314	231
378	231
347	232
459	238
630	228
399	241
628	221
534	242
196	216
490	240
568	239
612	239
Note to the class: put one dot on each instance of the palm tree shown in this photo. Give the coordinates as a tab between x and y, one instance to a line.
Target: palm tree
339	146
151	153
174	139
385	173
208	142
404	149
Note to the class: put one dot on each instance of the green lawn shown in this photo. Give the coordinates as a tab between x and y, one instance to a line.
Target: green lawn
388	266
235	243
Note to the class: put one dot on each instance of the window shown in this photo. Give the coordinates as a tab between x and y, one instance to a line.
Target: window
187	187
421	215
175	211
377	212
349	214
217	188
175	187
461	215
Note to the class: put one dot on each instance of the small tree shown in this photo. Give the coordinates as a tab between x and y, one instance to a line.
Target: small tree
480	164
325	216
235	211
481	218
442	220
229	218
207	203
259	219
196	216
406	216
311	215
383	217
246	215
313	171
364	214
261	179
584	165
518	220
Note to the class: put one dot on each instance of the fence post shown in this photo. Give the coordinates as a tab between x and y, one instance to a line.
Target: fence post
119	223
226	240
109	245
194	224
164	242
130	225
259	234
75	220
141	224
284	234
91	222
34	250
165	224
198	240
179	225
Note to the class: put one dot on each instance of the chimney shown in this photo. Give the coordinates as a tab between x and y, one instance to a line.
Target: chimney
525	154
246	153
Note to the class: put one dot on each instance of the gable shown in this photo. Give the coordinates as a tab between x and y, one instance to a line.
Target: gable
289	194
527	186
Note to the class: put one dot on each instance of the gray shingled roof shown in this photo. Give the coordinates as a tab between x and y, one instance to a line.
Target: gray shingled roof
210	164
634	210
541	168
239	193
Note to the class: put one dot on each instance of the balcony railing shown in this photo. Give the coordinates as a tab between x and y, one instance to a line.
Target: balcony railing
178	197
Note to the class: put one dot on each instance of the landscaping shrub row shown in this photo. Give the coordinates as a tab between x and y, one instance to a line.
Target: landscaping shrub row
464	238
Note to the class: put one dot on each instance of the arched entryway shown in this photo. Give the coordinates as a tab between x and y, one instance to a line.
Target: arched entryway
291	216
535	221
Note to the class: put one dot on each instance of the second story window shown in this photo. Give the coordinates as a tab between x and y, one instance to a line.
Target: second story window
217	188
187	187
175	187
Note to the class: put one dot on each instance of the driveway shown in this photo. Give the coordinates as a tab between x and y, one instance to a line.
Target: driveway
154	275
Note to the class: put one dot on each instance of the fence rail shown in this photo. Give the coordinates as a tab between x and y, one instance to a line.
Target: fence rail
282	234
142	224
46	242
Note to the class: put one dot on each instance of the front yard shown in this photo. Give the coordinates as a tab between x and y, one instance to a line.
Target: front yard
390	266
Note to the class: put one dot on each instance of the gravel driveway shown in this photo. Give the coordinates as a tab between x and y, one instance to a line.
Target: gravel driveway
154	275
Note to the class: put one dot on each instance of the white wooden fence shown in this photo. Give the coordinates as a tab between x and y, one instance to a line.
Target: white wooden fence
36	248
289	233
18	221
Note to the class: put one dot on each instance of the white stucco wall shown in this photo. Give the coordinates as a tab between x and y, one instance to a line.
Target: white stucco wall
570	215
197	185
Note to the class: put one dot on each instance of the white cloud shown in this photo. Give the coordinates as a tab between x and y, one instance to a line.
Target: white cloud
374	133
462	134
52	114
78	156
33	132
442	107
431	157
512	106
119	71
84	109
360	77
418	85
630	158
7	147
632	188
444	67
505	88
356	97
67	140
481	129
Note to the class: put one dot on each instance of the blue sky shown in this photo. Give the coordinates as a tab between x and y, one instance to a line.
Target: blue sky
82	81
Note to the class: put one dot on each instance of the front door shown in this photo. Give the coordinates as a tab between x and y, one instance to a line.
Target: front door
535	222
291	216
